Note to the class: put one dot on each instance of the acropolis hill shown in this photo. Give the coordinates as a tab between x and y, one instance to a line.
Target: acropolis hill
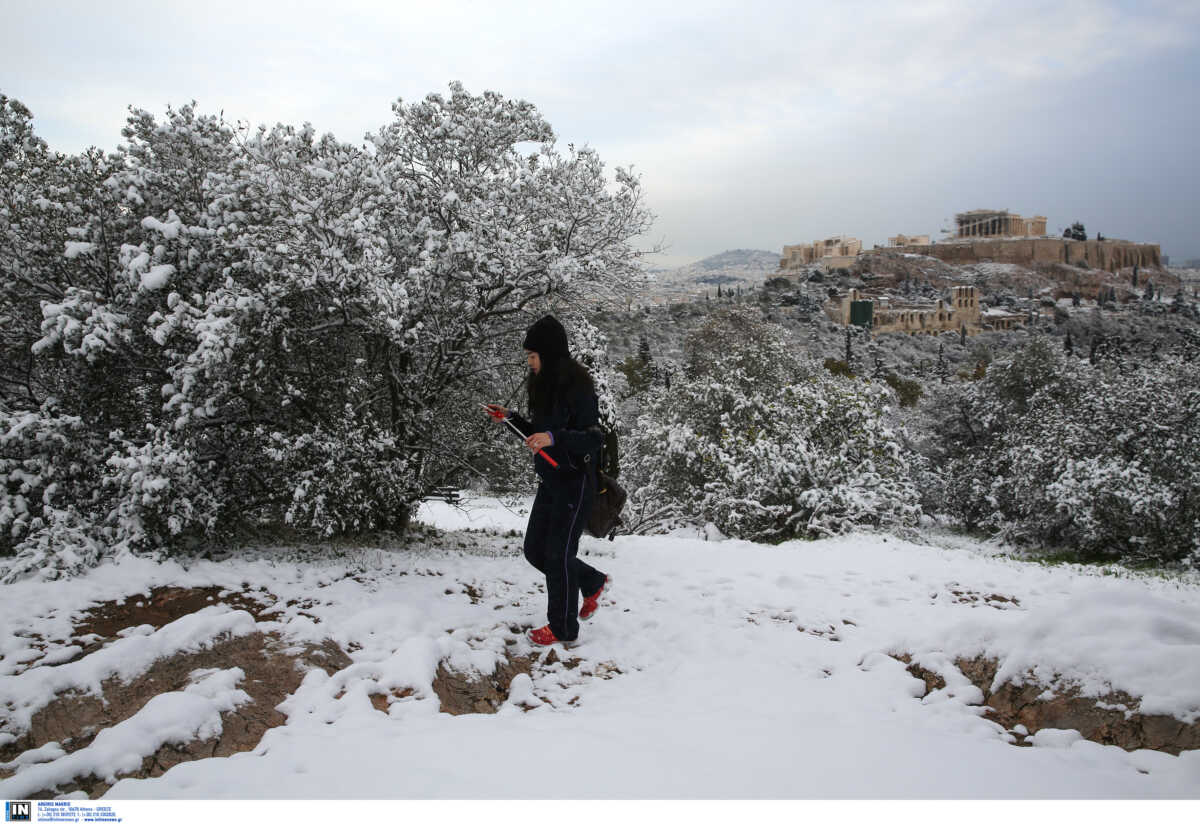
876	286
983	235
1109	255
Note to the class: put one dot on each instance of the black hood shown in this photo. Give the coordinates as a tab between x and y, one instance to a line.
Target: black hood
548	338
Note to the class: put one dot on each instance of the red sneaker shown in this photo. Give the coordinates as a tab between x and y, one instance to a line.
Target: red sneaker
542	636
592	602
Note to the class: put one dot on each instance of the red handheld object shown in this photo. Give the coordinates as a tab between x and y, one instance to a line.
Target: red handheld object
497	416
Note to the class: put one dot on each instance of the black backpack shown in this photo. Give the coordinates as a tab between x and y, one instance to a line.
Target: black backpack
610	496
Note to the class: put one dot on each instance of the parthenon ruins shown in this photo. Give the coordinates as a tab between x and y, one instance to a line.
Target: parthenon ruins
998	223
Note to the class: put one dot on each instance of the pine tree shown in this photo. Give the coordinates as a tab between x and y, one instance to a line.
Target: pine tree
1075	232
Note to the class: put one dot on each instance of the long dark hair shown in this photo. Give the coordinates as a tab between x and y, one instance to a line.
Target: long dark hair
558	378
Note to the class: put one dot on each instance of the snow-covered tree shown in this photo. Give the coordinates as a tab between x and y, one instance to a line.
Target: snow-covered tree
643	352
275	327
765	445
1100	457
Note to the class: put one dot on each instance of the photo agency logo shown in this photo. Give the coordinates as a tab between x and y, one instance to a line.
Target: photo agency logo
18	811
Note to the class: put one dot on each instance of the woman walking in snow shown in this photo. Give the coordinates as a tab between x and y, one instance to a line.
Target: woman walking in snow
564	423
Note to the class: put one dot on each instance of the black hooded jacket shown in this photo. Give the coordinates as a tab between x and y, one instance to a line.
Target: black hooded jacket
572	419
563	402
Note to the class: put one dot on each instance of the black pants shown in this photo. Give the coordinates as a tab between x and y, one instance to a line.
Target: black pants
558	516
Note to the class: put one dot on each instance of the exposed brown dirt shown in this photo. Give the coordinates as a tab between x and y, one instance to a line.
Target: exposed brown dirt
73	719
828	632
973	598
272	672
160	607
1096	719
382	700
471	592
461	694
932	680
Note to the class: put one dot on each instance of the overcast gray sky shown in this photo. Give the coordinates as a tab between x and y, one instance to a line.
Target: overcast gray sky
753	124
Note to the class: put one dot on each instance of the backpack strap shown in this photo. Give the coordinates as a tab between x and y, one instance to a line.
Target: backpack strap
608	450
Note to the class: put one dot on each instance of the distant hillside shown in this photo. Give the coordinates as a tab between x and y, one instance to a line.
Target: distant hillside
748	259
746	267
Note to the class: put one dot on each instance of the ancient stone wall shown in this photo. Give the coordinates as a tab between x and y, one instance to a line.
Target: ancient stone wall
961	312
1110	255
909	240
828	253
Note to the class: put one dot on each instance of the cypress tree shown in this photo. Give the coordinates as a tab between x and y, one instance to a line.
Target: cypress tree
643	350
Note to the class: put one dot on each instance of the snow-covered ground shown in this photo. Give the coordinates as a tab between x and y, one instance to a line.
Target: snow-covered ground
716	669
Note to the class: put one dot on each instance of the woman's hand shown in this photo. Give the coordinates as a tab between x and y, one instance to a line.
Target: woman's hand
496	412
538	440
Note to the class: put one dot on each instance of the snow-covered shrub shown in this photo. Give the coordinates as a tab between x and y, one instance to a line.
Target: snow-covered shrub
765	445
41	464
50	486
76	352
1102	458
159	491
589	346
908	392
278	327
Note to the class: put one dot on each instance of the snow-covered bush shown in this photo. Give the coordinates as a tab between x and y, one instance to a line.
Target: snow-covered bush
765	445
1102	458
589	346
46	463
159	491
275	327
